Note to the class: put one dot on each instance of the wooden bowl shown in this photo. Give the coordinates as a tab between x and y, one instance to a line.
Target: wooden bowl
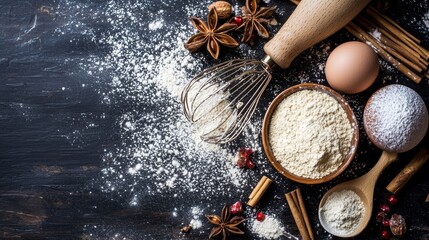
350	115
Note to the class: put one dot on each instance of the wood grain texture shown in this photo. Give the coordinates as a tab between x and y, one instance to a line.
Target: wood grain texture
364	187
310	23
405	175
50	162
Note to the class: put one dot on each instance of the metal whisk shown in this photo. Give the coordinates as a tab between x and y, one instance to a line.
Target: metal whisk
222	99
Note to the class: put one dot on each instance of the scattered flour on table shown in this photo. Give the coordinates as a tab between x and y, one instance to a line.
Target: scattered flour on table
197	213
376	34
343	211
142	78
270	228
159	151
425	20
155	25
196	223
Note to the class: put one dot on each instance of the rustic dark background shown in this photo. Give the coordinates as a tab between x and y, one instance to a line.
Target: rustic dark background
48	178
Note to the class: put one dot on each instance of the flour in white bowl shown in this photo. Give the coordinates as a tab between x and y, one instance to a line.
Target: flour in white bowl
343	211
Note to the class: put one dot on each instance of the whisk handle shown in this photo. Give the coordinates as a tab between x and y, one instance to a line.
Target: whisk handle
311	22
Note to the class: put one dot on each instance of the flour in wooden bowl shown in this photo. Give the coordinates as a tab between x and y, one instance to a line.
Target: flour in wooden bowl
310	134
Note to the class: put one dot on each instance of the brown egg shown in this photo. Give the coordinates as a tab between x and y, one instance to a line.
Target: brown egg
352	67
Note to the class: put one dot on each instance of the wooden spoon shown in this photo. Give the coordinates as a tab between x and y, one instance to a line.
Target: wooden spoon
364	187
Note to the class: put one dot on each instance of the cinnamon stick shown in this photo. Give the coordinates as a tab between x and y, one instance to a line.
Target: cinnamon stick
382	22
427	198
397	40
258	186
395	45
296	2
304	213
395	24
426	63
364	37
258	191
397	49
297	216
404	60
412	167
412	56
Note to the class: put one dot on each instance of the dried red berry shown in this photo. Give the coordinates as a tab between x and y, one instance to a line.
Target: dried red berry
385	208
385	234
244	158
380	216
386	222
245	152
241	162
260	216
237	208
392	200
238	20
250	165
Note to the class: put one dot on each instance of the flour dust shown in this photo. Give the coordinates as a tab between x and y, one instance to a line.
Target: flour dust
158	152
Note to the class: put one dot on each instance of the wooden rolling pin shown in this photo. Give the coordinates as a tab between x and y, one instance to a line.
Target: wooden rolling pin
412	167
311	22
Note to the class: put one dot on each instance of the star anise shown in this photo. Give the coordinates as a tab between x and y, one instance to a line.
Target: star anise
211	35
255	19
224	225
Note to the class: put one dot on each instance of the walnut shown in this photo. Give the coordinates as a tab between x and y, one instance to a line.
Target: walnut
397	225
223	9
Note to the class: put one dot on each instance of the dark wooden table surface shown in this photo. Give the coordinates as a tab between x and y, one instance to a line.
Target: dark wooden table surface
56	131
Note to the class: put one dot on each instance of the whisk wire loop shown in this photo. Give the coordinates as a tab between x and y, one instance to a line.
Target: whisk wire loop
222	98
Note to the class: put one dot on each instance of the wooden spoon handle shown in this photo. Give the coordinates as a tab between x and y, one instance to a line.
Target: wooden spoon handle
371	177
412	167
311	22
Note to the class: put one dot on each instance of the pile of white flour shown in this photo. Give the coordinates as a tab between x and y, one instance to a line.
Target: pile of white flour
270	228
310	134
343	211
